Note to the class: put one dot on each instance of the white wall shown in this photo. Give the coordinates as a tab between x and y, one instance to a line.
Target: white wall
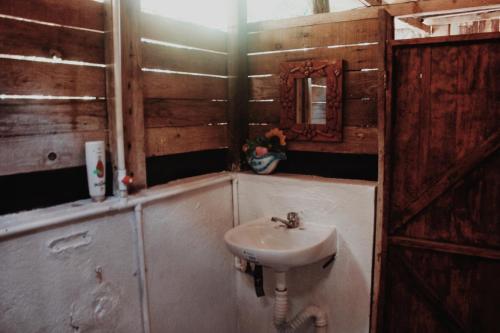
191	278
344	288
50	280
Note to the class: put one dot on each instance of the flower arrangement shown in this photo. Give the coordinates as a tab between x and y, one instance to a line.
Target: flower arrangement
264	152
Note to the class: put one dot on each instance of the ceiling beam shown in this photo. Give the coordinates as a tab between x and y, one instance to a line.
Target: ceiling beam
321	6
461	17
417	23
369	3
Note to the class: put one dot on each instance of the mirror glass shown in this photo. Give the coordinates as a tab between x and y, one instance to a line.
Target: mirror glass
310	99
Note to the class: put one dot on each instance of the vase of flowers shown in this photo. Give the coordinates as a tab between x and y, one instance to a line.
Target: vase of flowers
264	152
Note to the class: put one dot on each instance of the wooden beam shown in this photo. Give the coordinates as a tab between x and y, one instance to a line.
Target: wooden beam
450	178
321	6
386	32
369	3
397	9
438	6
132	101
418	282
446	39
237	68
471	251
417	23
462	17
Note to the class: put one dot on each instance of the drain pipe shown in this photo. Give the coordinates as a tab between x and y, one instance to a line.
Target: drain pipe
122	178
281	310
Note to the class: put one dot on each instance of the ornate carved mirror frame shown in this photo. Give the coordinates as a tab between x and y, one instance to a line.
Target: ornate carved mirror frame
290	72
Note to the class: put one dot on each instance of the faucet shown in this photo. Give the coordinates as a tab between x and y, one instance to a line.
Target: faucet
292	220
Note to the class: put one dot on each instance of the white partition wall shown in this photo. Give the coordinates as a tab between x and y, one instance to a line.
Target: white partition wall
344	288
81	277
86	274
191	279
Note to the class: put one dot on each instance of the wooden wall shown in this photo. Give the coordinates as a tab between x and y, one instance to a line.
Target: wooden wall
43	134
359	41
184	82
443	191
185	88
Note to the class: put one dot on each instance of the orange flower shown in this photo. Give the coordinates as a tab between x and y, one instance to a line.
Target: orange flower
277	133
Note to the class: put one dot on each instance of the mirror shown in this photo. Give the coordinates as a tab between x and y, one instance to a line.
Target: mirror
310	97
311	100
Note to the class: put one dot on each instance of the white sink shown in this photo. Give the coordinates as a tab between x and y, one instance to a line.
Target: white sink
274	245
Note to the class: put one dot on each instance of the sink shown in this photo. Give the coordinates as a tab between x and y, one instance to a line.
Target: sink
274	245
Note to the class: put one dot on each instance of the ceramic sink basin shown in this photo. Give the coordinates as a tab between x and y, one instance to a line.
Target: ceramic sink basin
274	245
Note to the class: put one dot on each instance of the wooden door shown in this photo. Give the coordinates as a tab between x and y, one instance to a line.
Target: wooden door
442	268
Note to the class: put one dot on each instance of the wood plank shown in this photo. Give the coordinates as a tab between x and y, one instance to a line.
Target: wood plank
355	112
38	78
179	86
408	92
183	60
23	154
177	113
354	58
371	2
175	140
384	123
405	7
164	29
472	251
447	39
344	16
417	23
32	39
237	83
438	6
356	141
419	284
454	174
76	13
357	85
340	33
30	117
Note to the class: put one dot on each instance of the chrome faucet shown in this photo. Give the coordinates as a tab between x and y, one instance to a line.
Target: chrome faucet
292	220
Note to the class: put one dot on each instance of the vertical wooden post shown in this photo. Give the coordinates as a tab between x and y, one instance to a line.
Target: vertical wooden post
321	6
133	113
386	33
237	69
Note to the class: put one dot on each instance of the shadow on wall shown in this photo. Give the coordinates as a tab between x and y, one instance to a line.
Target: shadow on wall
163	169
344	166
47	188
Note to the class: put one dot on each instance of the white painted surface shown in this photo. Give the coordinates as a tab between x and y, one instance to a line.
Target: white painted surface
50	276
191	278
76	265
343	289
50	280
